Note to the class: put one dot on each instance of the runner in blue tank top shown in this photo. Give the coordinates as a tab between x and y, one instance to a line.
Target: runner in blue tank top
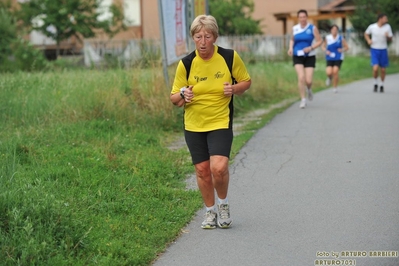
334	46
305	39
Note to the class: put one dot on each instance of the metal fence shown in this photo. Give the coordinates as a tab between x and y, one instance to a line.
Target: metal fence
256	47
128	52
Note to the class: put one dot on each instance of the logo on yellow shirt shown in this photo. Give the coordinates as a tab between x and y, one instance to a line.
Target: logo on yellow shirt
219	75
198	79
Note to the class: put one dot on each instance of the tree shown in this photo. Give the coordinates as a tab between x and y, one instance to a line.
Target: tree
8	29
62	19
16	53
7	32
367	10
234	17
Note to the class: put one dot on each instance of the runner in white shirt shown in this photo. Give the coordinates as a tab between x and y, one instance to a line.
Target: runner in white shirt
381	34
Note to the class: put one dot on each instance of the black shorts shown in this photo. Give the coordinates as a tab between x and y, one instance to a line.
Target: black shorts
306	61
202	145
333	63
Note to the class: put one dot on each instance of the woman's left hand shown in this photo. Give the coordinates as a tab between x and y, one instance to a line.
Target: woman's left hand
228	89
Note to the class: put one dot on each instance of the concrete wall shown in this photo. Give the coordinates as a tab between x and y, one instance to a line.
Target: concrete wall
150	19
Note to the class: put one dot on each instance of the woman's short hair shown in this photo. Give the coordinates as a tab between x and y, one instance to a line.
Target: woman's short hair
334	26
206	22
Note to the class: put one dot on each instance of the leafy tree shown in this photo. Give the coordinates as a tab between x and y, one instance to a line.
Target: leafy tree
15	52
23	55
7	32
367	10
234	17
62	19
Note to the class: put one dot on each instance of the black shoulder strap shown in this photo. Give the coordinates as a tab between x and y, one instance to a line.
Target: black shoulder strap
227	54
187	60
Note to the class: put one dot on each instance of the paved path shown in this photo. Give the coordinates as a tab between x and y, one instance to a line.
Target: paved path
322	179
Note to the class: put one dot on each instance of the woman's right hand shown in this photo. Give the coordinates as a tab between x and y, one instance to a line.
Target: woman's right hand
188	94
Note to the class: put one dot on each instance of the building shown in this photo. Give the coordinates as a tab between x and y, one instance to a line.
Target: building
281	16
277	17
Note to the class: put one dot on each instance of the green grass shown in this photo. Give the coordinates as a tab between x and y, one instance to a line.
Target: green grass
85	173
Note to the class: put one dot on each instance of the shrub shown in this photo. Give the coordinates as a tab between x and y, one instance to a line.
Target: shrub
27	57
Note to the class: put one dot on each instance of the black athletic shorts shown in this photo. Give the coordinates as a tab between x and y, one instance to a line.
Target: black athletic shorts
333	63
202	145
306	61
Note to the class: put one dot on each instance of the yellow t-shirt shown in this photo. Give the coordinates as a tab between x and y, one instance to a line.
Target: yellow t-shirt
210	109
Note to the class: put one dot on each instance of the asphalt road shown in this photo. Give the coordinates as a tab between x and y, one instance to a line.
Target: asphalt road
314	186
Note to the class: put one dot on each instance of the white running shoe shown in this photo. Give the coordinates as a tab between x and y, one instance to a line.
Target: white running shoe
302	105
210	220
335	90
224	220
310	94
328	81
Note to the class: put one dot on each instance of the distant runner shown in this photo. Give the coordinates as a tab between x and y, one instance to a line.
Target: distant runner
381	34
302	49
334	46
